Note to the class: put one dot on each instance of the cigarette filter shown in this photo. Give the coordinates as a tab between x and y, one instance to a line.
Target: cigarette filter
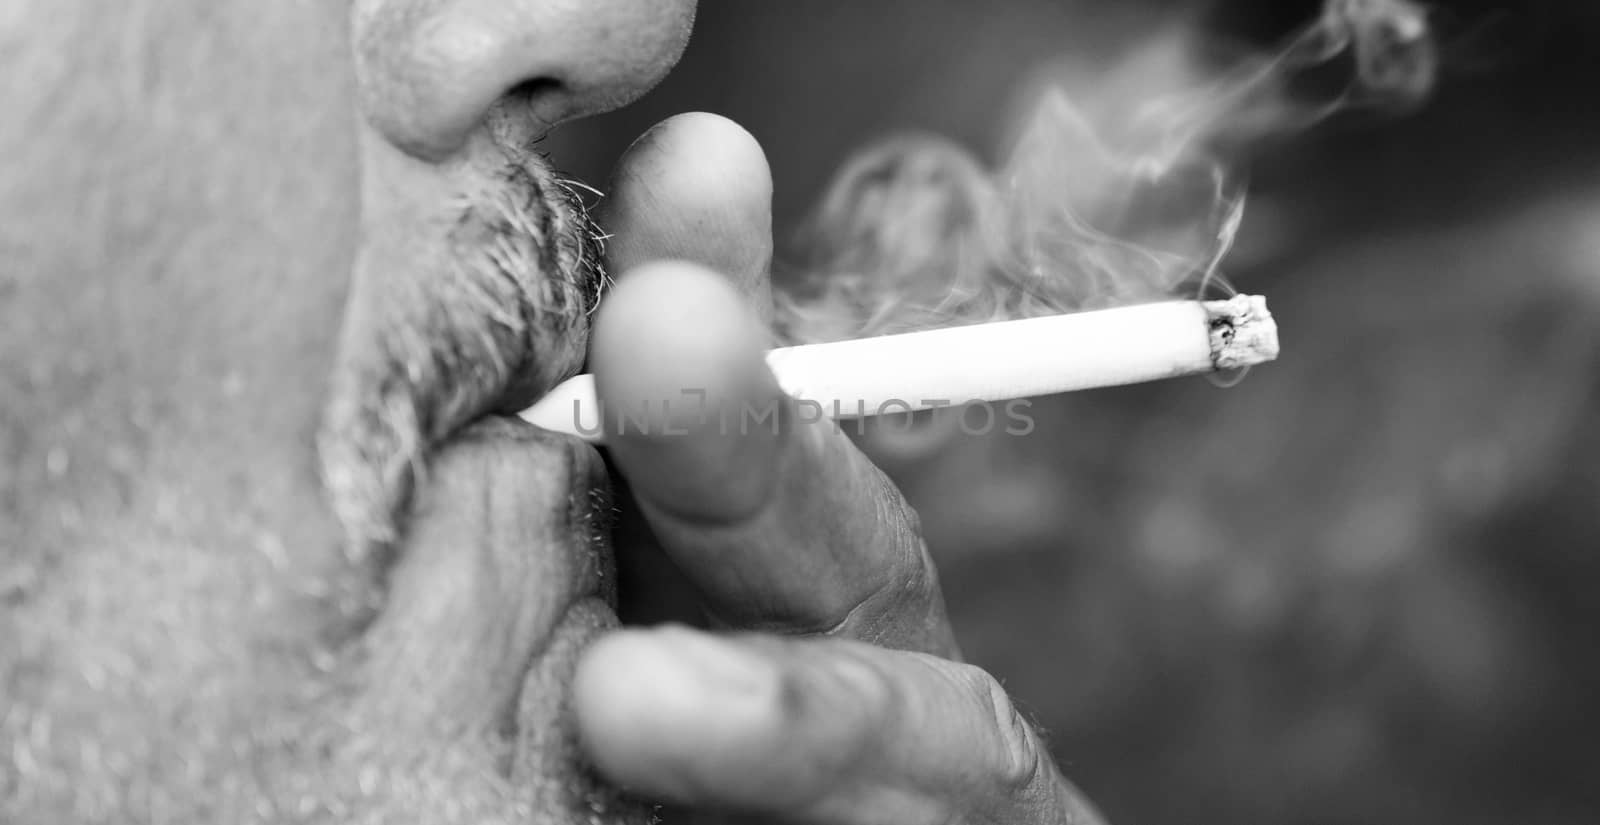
990	362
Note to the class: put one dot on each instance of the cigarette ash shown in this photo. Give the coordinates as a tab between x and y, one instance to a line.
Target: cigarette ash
1119	189
1242	332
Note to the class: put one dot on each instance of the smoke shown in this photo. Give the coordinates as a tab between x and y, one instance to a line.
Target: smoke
1122	185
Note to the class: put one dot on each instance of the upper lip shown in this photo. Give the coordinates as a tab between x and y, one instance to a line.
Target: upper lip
471	295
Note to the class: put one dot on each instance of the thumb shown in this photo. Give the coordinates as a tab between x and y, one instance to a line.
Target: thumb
813	730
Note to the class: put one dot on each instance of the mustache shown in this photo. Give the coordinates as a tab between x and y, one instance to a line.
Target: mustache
457	310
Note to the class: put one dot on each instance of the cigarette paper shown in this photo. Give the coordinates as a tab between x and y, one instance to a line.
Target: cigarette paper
989	362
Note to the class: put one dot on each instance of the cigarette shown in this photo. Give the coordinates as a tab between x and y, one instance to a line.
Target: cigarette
989	362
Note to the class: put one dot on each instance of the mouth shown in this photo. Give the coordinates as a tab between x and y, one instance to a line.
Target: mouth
472	292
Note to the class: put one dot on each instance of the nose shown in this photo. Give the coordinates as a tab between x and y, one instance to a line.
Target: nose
429	71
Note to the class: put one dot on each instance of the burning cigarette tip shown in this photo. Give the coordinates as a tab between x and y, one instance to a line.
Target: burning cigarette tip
1242	332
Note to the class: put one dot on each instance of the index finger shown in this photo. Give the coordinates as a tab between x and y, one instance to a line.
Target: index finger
772	513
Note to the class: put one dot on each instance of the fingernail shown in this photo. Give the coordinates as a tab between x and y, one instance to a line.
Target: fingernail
695	187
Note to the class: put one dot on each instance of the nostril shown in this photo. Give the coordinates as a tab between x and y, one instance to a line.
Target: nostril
529	90
431	71
528	108
544	100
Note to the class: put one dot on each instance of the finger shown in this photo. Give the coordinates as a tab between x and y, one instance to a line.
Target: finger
811	730
773	514
696	187
460	681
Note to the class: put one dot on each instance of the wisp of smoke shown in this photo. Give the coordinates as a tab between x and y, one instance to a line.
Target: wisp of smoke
1121	193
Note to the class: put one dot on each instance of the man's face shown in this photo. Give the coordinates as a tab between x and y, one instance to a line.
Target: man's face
239	257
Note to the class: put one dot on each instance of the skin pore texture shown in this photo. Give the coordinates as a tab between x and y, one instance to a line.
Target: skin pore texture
189	632
177	220
272	552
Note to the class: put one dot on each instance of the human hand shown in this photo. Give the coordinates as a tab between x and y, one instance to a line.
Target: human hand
838	696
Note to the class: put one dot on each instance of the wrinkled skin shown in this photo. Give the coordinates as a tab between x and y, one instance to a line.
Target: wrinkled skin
269	273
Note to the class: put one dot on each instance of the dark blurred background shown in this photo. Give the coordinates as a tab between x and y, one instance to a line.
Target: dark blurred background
1364	585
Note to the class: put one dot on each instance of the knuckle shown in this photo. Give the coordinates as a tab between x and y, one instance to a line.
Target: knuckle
869	689
907	578
848	679
899	513
848	692
910	573
907	581
1018	758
